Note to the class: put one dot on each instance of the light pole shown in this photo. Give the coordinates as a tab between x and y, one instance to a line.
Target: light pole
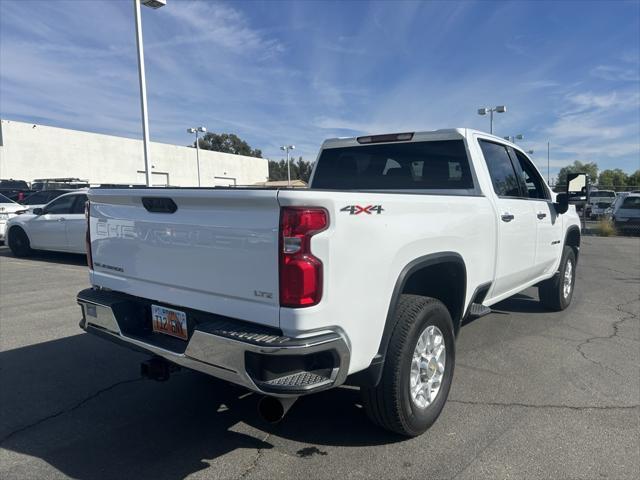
485	110
196	130
288	148
513	138
143	83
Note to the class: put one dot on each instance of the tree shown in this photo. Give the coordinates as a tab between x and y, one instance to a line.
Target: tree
634	180
227	143
300	170
613	178
591	169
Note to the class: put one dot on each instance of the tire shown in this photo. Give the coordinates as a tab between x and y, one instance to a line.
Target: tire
19	242
552	292
390	404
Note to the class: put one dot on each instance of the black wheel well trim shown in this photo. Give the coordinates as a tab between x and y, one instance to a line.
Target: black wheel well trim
570	231
372	374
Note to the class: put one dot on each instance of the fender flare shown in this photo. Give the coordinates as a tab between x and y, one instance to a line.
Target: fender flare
371	375
570	230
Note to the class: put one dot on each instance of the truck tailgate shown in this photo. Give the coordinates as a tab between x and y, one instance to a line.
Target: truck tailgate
218	252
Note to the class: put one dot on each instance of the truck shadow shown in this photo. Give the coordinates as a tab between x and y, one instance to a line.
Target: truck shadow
48	257
78	404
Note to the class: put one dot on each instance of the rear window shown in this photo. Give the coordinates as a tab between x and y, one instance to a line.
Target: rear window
17	184
4	199
435	165
631	202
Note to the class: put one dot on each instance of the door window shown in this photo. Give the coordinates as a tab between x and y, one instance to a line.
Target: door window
503	176
534	186
62	205
78	207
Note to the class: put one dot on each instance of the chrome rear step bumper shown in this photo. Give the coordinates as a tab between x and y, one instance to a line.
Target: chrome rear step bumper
256	357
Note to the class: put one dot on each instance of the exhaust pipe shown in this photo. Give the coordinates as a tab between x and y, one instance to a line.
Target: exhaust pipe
273	409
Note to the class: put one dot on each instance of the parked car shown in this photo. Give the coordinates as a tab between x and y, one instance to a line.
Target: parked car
41	198
365	277
8	210
608	213
58	226
597	198
626	215
56	183
15	190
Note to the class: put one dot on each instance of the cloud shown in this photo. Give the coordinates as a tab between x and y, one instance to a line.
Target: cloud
627	100
221	25
616	73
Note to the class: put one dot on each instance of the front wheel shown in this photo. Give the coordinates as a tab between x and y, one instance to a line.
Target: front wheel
557	292
418	368
19	242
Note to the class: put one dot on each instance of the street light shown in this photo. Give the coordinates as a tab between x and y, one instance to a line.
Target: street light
197	130
288	148
143	84
513	138
485	110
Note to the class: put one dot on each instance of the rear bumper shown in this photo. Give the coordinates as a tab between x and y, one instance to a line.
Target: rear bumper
256	357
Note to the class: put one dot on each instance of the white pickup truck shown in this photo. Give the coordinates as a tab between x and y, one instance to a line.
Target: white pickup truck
364	278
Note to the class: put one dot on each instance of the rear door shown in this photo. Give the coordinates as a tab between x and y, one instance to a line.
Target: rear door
548	224
48	231
76	225
516	221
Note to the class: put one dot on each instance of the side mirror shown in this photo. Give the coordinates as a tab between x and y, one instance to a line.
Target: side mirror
38	211
562	203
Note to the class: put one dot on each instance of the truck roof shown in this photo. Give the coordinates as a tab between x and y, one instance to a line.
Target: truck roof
424	135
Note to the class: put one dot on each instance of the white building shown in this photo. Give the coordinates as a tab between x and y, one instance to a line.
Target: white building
29	151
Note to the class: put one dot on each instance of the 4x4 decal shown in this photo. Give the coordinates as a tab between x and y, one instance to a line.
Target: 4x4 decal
358	209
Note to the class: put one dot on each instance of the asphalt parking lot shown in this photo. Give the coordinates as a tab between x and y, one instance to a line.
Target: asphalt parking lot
535	395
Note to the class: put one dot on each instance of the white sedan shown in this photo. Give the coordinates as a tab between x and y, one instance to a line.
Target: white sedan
59	226
8	209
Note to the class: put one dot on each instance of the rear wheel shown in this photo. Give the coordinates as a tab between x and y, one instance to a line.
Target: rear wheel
418	368
557	292
19	242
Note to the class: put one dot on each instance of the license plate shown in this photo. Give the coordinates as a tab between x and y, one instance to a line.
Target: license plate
169	321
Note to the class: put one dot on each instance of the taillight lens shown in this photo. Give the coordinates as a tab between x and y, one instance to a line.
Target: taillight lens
300	271
87	214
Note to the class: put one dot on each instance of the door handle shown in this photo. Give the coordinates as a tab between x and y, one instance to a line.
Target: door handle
507	217
61	219
541	215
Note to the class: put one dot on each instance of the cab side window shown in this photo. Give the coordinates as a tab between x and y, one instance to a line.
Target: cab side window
503	175
534	186
62	205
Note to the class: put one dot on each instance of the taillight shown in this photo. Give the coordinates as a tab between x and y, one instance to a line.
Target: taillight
87	237
300	271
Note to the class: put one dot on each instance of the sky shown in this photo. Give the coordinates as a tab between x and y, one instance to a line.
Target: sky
299	72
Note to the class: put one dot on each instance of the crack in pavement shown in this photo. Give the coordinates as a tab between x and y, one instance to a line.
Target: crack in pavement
616	326
255	461
69	409
547	406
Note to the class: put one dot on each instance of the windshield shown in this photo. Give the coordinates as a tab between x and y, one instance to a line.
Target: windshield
435	165
631	203
4	199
